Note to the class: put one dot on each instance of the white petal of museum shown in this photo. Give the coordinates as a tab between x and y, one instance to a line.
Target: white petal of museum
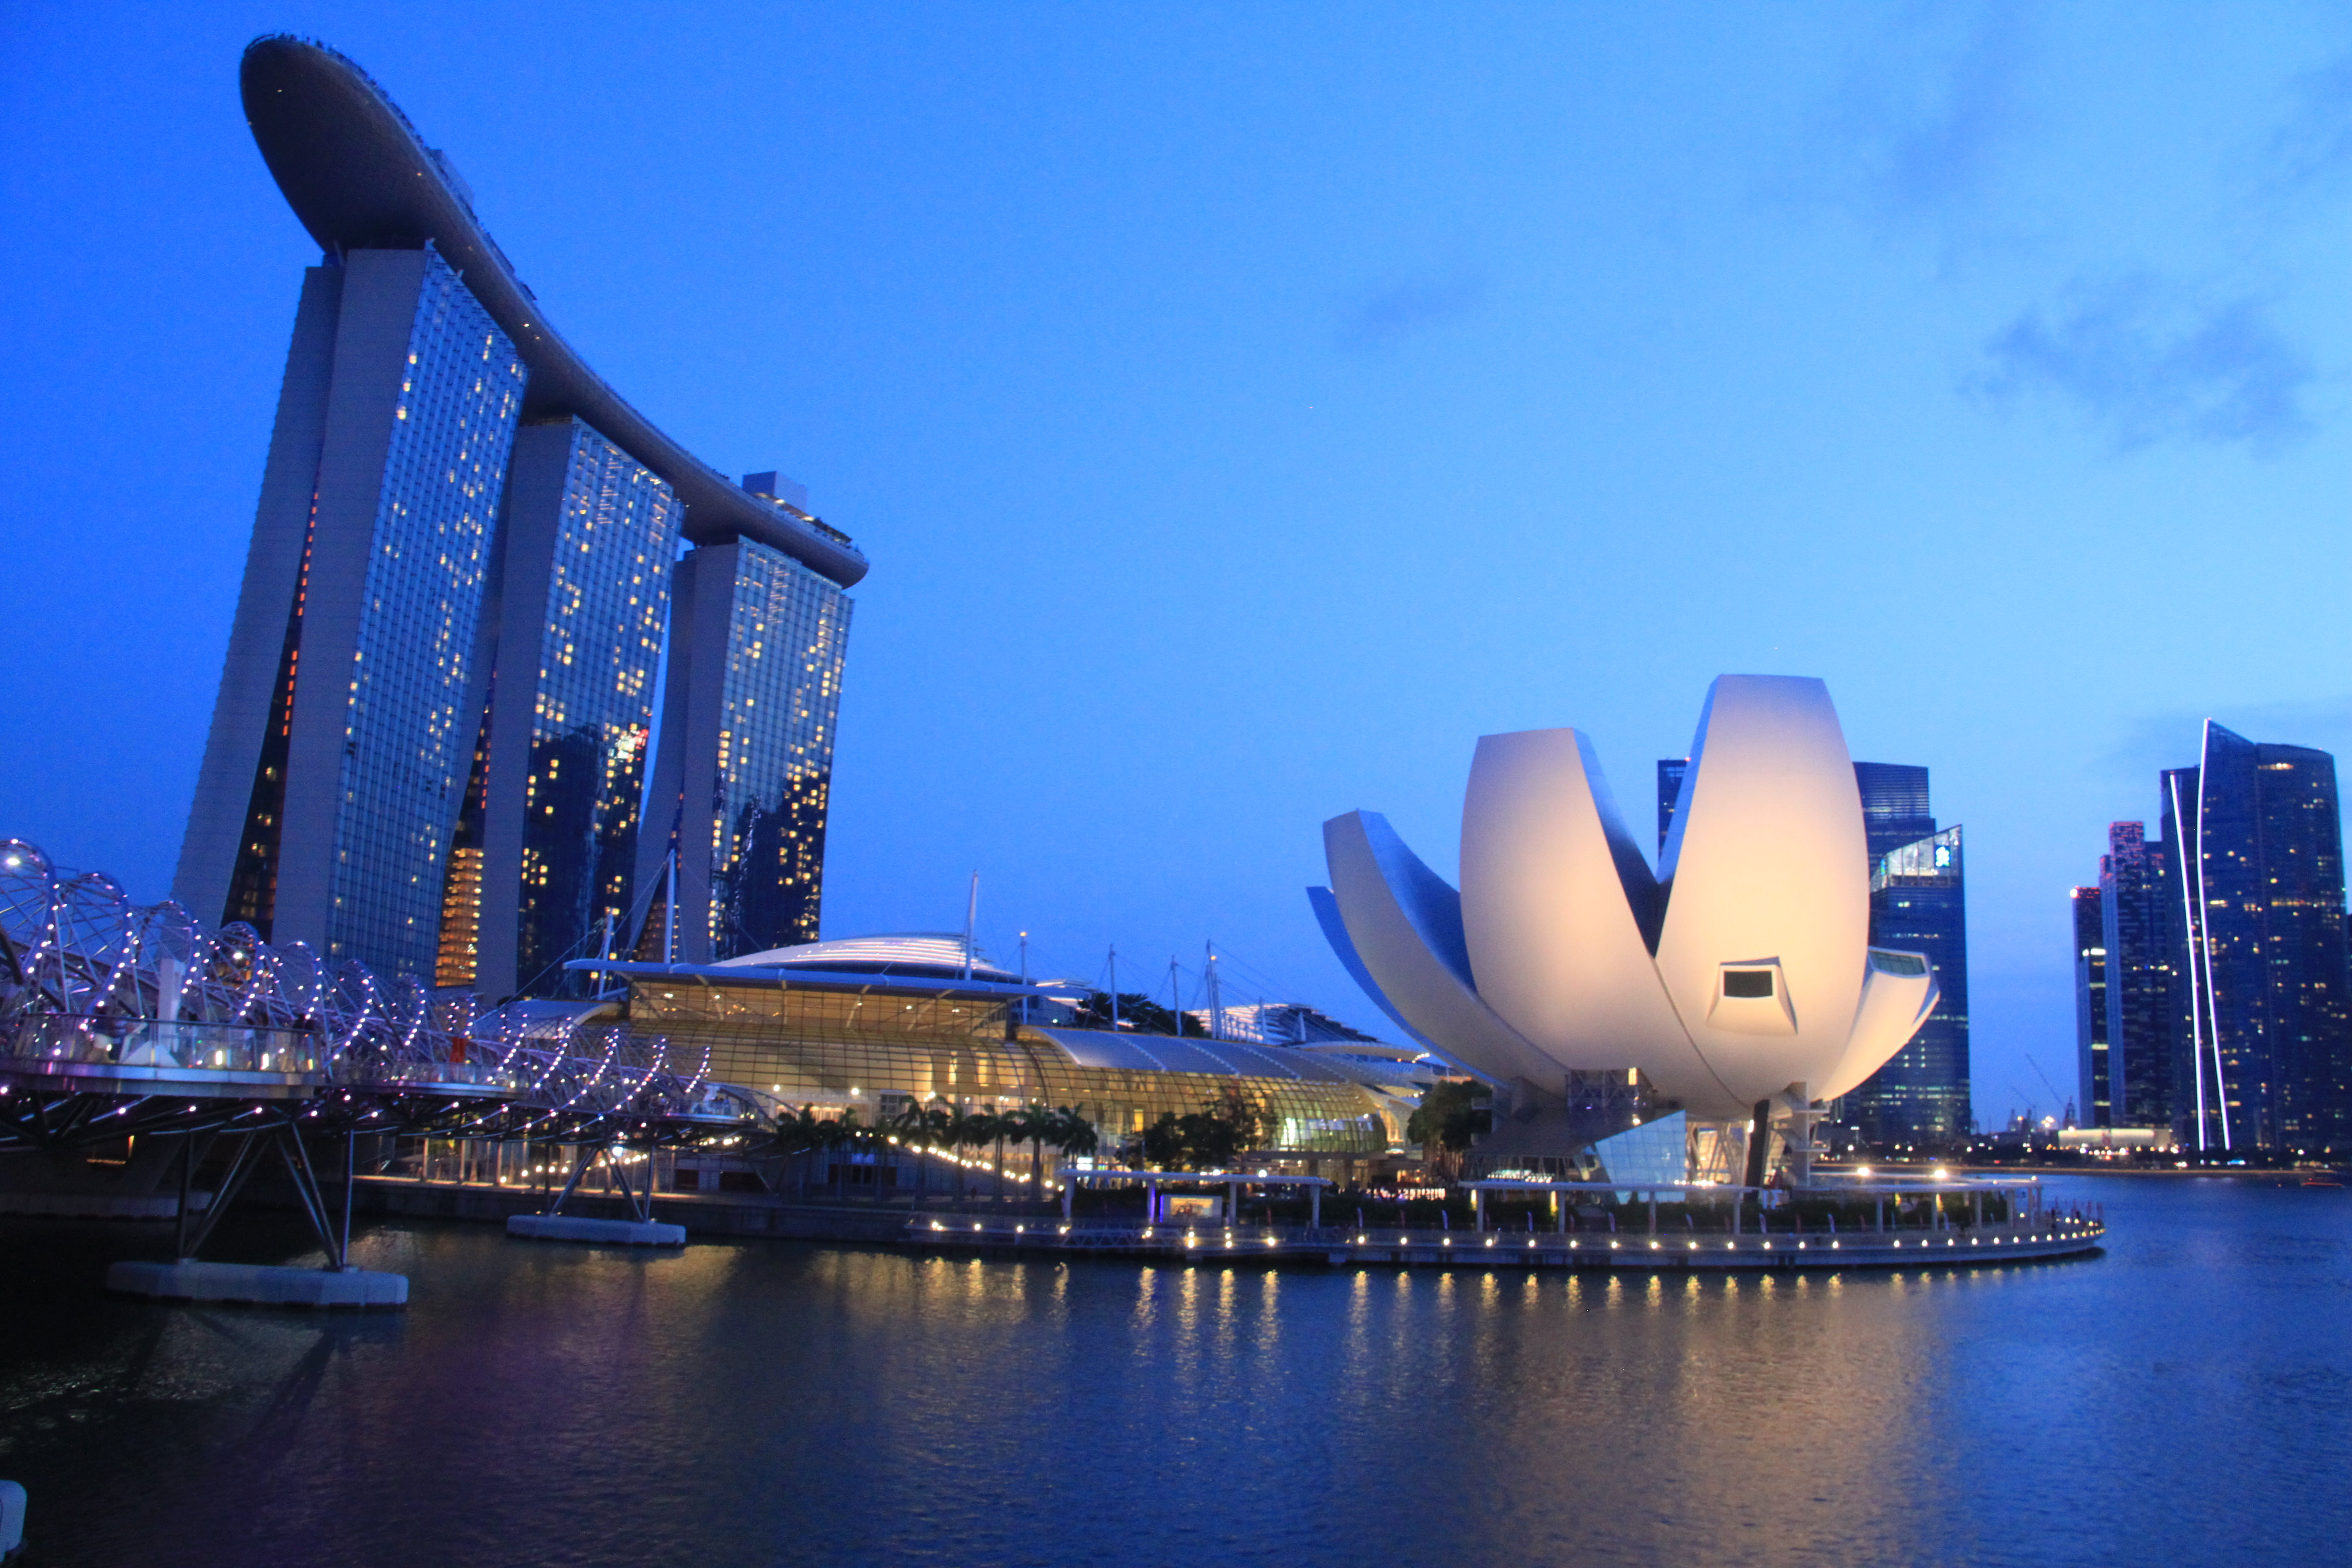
1739	971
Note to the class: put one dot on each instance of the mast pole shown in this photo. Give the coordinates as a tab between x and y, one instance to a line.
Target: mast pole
971	914
669	912
1216	1001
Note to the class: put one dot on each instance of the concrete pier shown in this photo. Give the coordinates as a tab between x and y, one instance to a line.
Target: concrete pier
99	1205
609	1232
259	1285
11	1520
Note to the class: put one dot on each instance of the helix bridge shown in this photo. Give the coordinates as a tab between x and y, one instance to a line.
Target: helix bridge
121	1021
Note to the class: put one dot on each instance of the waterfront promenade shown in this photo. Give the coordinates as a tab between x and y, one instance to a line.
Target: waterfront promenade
1710	1234
2047	1237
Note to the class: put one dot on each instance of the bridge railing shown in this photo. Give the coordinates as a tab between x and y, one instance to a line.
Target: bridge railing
104	1040
90	981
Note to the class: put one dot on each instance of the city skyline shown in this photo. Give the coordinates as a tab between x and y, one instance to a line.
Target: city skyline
2211	974
1205	512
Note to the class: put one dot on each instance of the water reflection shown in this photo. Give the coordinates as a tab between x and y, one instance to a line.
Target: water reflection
776	1404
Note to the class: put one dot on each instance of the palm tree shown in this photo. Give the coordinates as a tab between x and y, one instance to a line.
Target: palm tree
1072	1134
1002	1127
1036	1126
973	1130
835	1132
923	1129
798	1135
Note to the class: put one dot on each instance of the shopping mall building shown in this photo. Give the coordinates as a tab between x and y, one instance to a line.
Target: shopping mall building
877	1025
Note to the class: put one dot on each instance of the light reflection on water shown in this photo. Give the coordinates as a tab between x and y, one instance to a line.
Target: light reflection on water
2187	1398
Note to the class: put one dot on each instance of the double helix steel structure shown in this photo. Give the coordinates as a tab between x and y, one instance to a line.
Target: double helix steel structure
118	1019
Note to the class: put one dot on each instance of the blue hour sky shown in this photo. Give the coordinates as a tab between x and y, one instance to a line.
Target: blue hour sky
1245	408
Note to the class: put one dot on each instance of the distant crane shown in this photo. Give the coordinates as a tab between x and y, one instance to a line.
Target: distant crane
2056	1097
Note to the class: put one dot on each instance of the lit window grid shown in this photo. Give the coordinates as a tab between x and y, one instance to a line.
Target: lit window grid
1923	1090
459	959
600	633
788	637
408	740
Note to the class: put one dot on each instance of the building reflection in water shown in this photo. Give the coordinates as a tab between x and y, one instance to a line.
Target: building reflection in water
896	1407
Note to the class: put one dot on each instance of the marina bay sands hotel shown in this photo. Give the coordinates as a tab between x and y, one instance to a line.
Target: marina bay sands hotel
471	564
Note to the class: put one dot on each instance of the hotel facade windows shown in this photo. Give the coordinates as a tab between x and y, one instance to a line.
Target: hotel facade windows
589	540
746	754
332	783
429	747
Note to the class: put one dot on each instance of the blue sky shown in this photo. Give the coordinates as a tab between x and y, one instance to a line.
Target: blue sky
1244	409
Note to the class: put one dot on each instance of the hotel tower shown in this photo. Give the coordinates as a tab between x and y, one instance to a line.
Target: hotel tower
438	716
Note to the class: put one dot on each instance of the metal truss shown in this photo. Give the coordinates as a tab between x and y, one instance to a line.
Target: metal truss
117	1018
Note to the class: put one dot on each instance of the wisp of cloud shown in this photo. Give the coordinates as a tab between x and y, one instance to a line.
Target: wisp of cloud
2150	364
1400	308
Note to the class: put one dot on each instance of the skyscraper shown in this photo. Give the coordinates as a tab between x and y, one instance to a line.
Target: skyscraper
1895	809
2136	908
1670	792
746	756
2263	1048
430	745
588	537
344	731
2092	1060
1918	903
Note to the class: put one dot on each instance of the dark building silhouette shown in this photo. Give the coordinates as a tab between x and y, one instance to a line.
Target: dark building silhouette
1918	903
2262	1033
2093	1061
2138	907
1894	810
1670	793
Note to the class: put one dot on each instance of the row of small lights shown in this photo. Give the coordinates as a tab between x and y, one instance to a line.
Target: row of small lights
1192	1238
959	1159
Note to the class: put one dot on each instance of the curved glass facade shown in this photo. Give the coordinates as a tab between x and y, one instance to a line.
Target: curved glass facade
878	1048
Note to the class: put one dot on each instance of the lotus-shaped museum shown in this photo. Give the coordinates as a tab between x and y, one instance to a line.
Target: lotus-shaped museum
1740	970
